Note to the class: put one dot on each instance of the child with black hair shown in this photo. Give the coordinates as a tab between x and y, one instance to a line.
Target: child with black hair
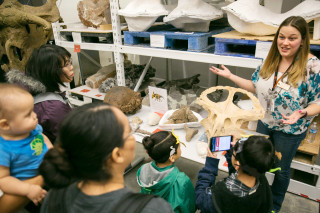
161	176
246	189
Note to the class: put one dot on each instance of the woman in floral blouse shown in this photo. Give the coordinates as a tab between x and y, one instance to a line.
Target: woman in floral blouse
288	87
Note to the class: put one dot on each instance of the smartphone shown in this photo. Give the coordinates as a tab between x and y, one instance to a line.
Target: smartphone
220	143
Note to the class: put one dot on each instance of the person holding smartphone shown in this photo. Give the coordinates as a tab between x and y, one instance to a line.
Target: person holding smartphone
246	189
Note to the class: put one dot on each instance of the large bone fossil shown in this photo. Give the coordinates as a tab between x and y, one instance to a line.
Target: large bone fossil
22	29
225	118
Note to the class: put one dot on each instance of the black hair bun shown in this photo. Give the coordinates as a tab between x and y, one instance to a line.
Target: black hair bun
148	143
56	169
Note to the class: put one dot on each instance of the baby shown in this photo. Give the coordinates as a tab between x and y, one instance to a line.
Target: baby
22	144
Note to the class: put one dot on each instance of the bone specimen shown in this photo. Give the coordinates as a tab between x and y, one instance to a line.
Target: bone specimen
225	118
190	132
105	72
153	118
93	13
262	21
141	14
193	15
136	120
22	29
182	115
128	101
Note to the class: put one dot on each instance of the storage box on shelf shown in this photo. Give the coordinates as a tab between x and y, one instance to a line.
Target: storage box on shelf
237	44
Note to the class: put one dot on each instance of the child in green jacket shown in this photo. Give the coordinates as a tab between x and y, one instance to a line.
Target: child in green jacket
162	177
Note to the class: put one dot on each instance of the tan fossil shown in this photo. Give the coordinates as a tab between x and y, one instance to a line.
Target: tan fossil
22	29
225	118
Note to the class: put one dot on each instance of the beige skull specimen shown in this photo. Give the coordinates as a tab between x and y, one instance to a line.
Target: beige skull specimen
128	101
22	29
225	118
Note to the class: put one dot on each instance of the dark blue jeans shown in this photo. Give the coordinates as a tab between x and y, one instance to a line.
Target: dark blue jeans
287	144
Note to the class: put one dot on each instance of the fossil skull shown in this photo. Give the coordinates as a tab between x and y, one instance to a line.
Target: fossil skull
22	29
225	118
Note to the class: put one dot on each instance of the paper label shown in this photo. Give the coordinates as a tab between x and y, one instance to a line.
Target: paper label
157	40
77	41
262	49
158	99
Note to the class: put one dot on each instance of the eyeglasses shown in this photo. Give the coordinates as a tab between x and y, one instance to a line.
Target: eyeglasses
134	127
68	63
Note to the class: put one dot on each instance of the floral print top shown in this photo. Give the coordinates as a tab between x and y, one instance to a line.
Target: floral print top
288	101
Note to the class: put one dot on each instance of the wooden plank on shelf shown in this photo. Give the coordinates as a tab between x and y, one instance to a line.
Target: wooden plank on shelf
237	44
237	35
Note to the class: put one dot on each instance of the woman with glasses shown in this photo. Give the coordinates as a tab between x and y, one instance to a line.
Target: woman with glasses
85	169
47	71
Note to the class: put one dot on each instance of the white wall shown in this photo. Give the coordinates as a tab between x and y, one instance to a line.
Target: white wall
68	10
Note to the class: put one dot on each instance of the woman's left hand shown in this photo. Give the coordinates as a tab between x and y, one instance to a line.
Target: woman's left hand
294	117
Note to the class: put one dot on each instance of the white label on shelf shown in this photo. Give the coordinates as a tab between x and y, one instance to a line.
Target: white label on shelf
158	99
76	38
262	49
157	40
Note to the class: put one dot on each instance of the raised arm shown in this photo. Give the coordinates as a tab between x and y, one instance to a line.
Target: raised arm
206	178
241	82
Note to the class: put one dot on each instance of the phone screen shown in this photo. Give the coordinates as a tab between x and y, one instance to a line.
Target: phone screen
220	143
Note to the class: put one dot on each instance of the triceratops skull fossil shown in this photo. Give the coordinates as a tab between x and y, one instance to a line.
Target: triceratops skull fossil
22	29
225	118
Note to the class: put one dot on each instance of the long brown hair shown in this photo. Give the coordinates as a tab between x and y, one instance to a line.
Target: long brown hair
273	59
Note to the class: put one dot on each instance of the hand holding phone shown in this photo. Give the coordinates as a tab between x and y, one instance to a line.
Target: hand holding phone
220	143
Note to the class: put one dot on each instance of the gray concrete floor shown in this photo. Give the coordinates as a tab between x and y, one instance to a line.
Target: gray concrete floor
292	203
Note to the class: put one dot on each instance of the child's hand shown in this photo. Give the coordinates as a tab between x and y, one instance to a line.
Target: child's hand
211	154
36	193
234	140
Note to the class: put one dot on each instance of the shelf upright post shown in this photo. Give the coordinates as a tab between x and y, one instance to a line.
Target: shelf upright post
117	40
56	32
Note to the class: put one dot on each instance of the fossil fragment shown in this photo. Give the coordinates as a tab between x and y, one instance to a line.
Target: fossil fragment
190	132
136	120
93	13
128	101
141	14
193	15
262	21
94	81
182	115
22	29
153	118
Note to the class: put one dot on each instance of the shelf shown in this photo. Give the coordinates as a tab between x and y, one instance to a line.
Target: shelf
192	56
87	46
